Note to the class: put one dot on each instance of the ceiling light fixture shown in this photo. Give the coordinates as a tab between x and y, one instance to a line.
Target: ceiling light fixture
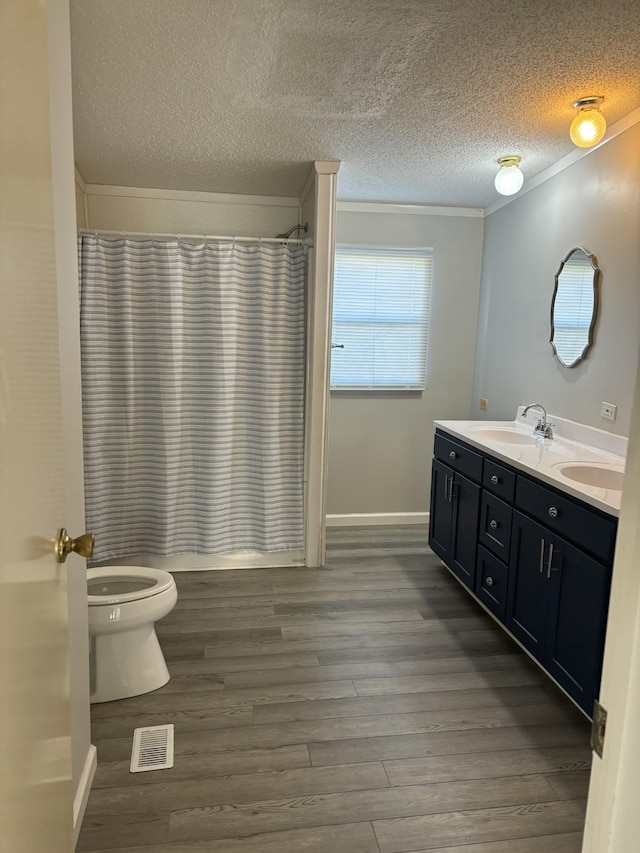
589	126
509	178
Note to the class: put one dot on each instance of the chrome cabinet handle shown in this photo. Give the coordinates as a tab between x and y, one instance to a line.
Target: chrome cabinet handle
446	487
495	479
452	454
489	581
541	556
493	524
549	569
553	512
450	490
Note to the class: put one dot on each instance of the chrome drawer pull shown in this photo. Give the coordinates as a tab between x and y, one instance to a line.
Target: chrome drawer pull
489	581
452	454
553	512
542	555
495	479
493	524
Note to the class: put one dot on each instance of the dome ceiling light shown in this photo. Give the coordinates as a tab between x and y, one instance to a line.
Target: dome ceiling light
589	126
509	178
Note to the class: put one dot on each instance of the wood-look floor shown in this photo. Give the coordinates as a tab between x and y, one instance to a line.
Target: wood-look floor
367	707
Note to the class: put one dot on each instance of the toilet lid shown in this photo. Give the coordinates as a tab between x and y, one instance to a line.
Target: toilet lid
117	584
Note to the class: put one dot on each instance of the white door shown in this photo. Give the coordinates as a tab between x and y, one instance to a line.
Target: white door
35	769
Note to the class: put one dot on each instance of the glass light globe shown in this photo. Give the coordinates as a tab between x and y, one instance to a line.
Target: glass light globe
509	179
587	128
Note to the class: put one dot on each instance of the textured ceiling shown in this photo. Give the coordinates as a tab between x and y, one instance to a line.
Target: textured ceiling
417	98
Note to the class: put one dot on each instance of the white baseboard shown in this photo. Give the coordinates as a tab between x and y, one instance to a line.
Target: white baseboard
82	794
362	519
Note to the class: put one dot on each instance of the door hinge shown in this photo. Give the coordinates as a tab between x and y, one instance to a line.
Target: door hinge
598	728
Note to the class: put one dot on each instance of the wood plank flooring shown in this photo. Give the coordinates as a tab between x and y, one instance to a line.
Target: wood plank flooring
367	707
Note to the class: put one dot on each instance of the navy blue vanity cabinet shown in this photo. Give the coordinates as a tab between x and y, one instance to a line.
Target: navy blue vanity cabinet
538	559
455	505
558	594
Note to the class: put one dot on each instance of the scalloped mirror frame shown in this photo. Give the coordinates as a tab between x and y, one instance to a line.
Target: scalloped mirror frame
555	345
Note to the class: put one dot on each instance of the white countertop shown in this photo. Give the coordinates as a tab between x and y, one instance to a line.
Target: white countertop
542	458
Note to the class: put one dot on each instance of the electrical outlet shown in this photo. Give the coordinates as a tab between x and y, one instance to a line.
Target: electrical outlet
608	411
484	404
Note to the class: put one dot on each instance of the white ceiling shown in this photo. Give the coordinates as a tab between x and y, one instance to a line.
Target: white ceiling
417	98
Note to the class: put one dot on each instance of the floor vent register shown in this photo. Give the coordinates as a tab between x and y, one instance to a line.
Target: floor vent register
152	748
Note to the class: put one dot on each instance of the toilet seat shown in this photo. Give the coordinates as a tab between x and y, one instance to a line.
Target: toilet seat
125	583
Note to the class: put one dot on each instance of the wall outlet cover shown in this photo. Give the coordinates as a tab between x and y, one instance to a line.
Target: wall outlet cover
608	411
484	404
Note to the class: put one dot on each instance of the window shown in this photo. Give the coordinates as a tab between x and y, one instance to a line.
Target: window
381	316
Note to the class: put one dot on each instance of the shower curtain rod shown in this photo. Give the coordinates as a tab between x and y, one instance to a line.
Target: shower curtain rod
205	237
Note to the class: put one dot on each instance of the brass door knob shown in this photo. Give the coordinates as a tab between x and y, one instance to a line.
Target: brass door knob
83	545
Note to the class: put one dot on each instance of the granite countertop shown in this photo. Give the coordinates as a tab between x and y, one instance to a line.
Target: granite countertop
542	458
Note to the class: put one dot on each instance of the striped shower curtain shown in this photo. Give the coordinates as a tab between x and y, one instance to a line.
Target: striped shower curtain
193	396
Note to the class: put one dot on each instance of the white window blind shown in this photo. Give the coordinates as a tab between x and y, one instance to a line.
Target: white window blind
381	315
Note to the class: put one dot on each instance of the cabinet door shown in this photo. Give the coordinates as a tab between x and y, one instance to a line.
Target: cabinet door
440	511
528	594
579	595
464	529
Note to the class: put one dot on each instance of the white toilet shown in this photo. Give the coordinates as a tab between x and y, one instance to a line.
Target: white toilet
125	602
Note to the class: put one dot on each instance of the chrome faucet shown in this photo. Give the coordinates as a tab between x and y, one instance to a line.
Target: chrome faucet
542	428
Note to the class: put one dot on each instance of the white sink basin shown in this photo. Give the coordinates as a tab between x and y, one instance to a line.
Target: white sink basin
600	476
504	435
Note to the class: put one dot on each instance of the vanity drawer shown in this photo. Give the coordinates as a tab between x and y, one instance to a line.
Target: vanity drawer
491	582
571	519
499	480
458	456
495	525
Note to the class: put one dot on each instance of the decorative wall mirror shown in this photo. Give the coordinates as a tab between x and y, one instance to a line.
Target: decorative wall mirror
574	307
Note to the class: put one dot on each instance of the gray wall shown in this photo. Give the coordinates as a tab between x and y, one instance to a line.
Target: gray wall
595	203
380	444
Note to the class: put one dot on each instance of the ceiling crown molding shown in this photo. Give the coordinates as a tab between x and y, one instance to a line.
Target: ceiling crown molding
408	209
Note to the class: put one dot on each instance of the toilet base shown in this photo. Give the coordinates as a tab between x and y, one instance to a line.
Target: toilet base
125	664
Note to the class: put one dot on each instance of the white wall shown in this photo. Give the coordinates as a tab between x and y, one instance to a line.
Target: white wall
174	212
380	444
595	203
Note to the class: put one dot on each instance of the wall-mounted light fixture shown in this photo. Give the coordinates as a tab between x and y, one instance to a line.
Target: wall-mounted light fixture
589	126
509	178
